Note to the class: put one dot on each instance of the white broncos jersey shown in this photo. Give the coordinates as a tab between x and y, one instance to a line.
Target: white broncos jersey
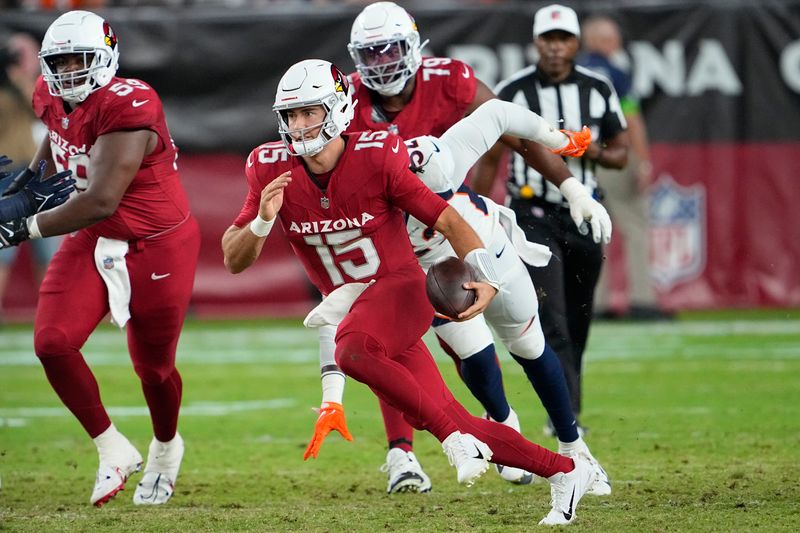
481	213
443	163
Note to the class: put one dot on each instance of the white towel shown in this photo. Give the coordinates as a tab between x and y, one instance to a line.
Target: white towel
335	306
534	254
109	259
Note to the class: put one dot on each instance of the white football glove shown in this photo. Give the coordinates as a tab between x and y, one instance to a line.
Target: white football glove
586	211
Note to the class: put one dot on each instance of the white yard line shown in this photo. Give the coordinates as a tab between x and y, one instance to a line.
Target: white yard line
299	345
13	415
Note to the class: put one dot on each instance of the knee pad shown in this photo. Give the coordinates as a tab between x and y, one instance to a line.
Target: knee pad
50	342
529	345
465	338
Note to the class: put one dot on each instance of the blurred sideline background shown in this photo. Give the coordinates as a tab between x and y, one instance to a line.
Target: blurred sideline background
719	83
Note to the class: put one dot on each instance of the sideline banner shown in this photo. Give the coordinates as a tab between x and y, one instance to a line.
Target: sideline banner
721	95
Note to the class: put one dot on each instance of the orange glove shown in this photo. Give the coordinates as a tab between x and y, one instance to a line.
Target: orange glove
331	416
579	141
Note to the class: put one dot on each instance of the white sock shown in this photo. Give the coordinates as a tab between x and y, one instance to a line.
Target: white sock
111	445
566	448
163	448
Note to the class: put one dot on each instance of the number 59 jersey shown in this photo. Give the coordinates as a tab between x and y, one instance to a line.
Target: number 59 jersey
155	199
354	229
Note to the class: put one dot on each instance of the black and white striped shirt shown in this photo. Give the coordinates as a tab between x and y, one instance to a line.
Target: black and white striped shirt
583	98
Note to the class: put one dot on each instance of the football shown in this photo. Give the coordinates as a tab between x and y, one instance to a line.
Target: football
444	285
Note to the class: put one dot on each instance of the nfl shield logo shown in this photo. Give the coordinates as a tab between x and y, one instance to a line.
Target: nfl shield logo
324	202
677	232
65	122
108	263
393	129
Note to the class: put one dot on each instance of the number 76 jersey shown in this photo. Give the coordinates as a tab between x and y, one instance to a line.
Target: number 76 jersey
354	229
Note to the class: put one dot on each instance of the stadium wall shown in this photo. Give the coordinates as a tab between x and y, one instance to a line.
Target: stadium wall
720	83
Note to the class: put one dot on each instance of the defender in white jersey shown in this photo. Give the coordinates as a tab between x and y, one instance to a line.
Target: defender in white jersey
442	164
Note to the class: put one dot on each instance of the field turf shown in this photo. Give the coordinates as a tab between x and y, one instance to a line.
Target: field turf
697	421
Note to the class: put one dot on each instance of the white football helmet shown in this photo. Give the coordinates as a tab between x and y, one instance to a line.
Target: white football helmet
432	162
309	83
86	34
385	47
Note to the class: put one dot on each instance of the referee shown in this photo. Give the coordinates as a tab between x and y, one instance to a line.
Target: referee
570	96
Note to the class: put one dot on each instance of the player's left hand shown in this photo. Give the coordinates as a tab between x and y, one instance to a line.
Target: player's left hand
484	292
587	212
331	416
577	143
48	192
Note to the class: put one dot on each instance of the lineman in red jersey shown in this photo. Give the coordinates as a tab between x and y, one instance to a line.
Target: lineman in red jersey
134	251
401	91
341	199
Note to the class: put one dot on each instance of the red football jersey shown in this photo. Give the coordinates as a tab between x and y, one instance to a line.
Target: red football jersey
444	89
354	230
155	199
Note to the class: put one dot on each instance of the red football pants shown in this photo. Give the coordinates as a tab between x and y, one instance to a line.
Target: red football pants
73	300
379	344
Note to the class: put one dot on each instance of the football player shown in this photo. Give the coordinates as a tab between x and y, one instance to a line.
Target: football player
132	250
341	200
402	92
442	164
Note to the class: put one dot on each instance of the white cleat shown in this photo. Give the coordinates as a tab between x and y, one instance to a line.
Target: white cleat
469	455
566	490
113	473
512	474
163	463
405	473
602	484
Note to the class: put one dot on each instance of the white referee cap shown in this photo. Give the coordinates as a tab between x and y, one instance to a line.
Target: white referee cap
556	17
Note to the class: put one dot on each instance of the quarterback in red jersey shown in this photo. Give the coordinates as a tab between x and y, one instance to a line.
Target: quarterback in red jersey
400	91
341	200
133	251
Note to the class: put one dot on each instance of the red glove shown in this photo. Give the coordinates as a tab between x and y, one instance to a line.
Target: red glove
579	141
331	416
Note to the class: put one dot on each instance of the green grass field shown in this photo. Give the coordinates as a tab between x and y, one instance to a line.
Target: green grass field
697	421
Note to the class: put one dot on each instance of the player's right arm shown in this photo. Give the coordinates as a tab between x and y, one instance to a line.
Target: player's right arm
241	246
116	158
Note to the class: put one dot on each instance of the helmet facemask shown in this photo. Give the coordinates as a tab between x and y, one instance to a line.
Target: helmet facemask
385	66
385	47
299	140
75	85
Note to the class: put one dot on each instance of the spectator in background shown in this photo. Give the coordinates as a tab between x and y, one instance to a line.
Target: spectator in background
560	92
21	134
625	189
